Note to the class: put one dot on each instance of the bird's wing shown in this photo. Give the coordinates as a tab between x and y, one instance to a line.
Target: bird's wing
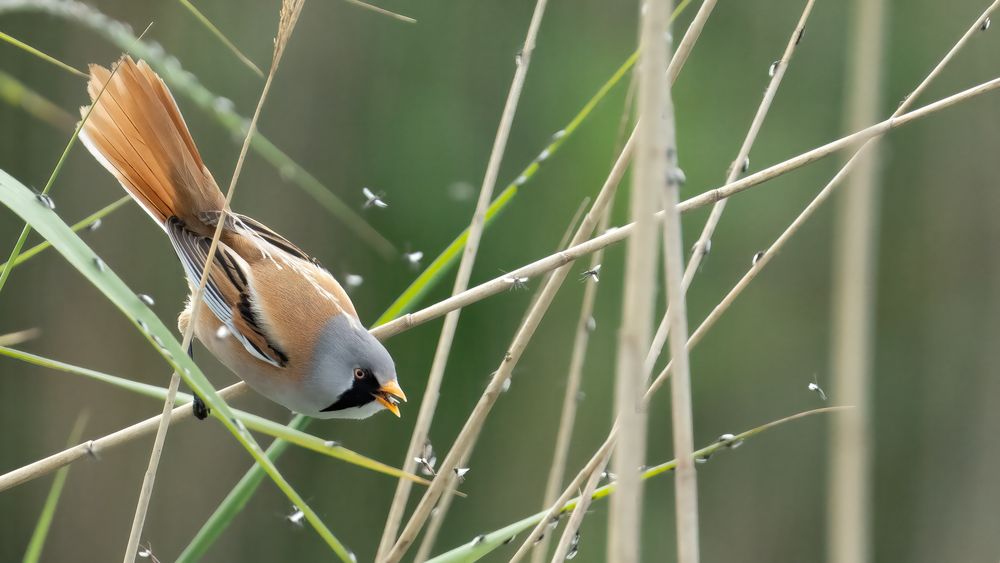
241	223
227	290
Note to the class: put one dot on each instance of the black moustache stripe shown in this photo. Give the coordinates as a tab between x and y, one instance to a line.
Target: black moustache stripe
361	393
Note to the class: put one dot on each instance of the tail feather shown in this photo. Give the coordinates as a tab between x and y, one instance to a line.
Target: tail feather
137	133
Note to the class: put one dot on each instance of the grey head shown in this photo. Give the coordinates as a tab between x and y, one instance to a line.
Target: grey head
353	375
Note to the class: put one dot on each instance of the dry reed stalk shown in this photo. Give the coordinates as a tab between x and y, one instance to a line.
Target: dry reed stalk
681	412
444	504
618	234
639	292
567	417
428	405
869	133
703	245
568	413
892	121
470	431
94	448
290	10
856	242
599	459
850	448
571	531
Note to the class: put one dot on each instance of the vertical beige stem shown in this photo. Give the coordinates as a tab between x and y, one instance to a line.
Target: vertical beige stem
625	520
849	491
685	481
290	10
558	467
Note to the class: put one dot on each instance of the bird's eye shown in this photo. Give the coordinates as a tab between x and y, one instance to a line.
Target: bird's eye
359	373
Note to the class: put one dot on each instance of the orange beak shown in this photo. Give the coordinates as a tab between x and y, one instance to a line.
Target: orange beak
389	396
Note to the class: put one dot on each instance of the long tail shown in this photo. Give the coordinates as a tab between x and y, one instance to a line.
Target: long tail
138	134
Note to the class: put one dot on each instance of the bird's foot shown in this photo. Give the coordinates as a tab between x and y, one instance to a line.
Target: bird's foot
198	407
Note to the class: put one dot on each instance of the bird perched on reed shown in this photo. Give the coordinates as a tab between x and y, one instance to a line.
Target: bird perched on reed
269	312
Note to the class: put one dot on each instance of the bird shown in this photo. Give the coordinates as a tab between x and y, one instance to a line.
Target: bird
269	312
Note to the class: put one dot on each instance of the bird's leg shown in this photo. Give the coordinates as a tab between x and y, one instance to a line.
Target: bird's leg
198	407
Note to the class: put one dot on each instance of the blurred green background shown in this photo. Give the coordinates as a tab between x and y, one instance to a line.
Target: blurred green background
411	110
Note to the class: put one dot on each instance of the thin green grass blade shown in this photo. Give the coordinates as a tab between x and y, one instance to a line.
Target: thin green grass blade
138	387
483	545
41	533
221	37
236	500
9	265
17	94
45	57
251	421
80	225
43	219
179	80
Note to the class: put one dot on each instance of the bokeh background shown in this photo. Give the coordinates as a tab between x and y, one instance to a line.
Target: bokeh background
411	110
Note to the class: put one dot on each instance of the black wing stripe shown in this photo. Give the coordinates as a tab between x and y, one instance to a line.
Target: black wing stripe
238	278
232	268
192	249
245	307
192	253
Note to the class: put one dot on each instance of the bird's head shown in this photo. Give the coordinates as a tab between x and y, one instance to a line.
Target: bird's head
353	375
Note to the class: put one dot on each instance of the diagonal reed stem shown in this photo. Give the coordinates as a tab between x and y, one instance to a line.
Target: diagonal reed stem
567	417
382	11
483	545
703	245
429	404
84	223
618	234
572	528
863	143
290	10
441	510
874	131
470	431
291	433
